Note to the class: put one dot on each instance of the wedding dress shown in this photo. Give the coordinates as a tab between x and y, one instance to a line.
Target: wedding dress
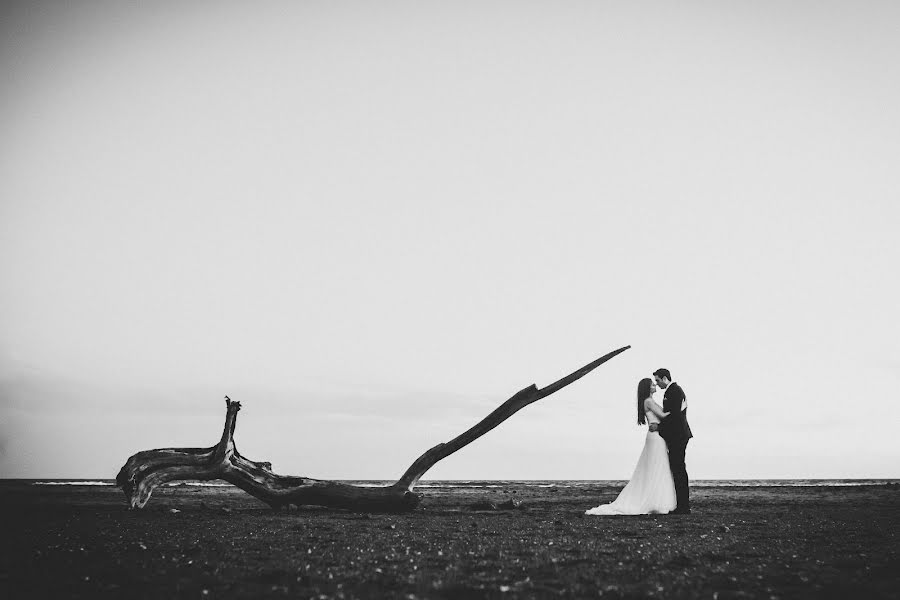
651	488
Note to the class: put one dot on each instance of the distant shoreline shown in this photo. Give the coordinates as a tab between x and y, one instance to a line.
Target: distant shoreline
500	483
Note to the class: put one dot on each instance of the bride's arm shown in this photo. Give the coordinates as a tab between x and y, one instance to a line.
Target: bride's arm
655	408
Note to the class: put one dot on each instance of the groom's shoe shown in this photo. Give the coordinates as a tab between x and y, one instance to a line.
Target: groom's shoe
681	511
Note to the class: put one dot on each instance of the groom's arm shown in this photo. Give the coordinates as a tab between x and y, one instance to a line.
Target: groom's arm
672	402
669	405
662	428
674	399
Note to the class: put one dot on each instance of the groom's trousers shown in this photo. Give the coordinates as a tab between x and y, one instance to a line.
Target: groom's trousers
679	474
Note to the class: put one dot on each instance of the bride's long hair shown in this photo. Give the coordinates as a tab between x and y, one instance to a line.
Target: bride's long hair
642	394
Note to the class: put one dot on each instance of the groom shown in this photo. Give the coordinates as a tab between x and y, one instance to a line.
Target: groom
676	431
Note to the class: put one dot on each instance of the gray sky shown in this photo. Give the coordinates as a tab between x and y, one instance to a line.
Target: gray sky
371	223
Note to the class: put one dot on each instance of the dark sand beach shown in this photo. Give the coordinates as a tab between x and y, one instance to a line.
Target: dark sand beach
741	542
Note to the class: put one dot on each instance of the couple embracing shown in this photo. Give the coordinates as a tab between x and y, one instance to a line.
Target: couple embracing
660	481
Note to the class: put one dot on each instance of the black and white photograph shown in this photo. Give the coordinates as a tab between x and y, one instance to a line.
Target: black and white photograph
449	300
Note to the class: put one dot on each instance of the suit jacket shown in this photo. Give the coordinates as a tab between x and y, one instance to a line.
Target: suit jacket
674	428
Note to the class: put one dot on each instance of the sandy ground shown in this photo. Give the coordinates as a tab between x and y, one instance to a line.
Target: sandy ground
815	542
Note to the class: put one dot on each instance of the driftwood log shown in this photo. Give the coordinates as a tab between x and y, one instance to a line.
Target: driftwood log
145	471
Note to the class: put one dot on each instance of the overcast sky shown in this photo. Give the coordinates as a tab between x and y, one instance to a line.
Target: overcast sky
372	223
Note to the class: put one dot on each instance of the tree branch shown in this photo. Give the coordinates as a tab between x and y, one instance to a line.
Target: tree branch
145	471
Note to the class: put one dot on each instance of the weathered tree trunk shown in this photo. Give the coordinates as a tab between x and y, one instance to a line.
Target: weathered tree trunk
146	470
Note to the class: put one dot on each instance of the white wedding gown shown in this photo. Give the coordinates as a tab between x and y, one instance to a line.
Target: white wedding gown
651	488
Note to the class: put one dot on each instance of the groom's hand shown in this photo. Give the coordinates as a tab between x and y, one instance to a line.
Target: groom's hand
654	426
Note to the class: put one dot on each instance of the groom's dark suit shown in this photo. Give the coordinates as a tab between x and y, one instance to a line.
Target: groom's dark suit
676	431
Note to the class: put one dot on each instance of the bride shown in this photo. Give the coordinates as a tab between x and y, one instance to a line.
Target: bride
651	488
